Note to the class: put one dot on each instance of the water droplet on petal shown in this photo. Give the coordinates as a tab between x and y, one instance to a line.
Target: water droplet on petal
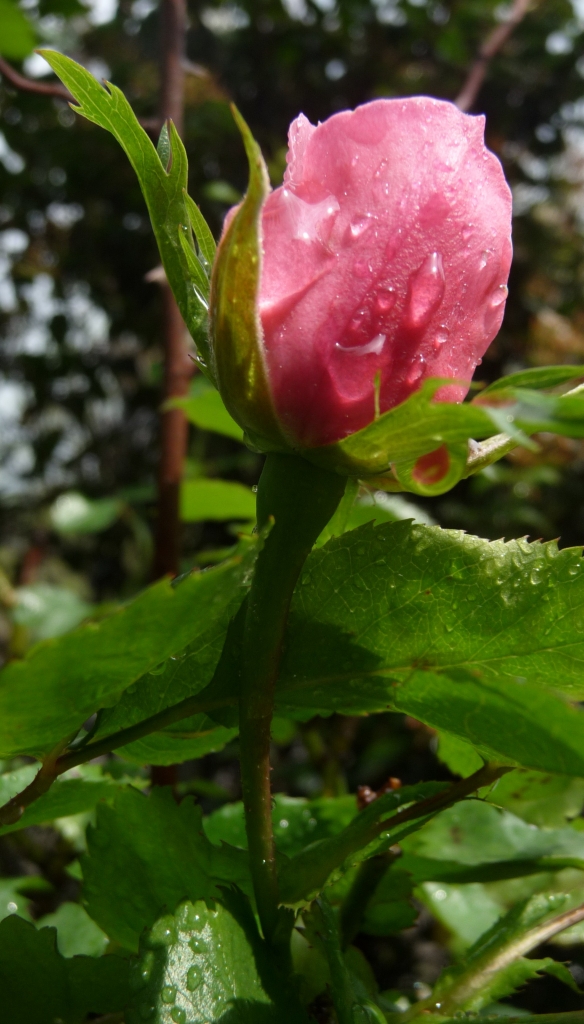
385	300
466	232
416	370
374	346
499	296
358	227
426	290
442	336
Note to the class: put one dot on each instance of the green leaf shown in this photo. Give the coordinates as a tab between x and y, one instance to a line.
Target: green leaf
201	231
297	822
412	429
48	611
390	910
235	324
325	923
506	720
65	797
357	509
145	855
495	966
163	190
181	676
460	757
459	632
205	409
39	985
77	934
51	692
190	739
535	378
473	832
203	499
206	964
73	513
17	39
575	1017
545	800
16	894
422	425
307	873
349	992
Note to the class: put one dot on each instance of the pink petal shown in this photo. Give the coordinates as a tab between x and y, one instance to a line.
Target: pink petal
386	252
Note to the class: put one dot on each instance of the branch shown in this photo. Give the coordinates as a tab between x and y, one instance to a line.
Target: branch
42	782
149	124
57	762
175	713
29	85
490	48
485	776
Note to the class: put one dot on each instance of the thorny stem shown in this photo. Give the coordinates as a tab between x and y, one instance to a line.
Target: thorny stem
300	499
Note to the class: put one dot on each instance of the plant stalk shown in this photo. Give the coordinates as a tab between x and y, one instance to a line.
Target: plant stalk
300	499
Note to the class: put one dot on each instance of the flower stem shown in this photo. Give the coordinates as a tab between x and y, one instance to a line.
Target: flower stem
300	498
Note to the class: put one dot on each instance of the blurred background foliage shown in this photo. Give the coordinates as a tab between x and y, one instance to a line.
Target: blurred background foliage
81	352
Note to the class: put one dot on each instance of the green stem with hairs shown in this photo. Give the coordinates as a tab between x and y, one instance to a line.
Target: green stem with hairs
300	499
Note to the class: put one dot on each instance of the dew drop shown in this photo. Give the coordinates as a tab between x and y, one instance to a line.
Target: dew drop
442	336
381	169
168	993
146	1011
158	669
466	232
426	290
178	1015
194	978
198	945
416	370
374	346
359	226
385	300
498	296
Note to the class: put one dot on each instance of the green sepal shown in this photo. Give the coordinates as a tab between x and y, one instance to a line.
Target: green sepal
236	329
394	442
435	473
162	174
405	433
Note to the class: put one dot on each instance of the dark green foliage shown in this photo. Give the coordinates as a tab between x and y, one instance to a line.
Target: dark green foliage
40	986
206	964
51	692
146	854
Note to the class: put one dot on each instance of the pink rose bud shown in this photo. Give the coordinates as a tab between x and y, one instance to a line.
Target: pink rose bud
386	254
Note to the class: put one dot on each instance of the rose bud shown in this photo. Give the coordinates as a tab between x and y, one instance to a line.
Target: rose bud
381	261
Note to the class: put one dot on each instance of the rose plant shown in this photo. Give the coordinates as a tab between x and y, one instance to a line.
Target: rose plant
341	318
